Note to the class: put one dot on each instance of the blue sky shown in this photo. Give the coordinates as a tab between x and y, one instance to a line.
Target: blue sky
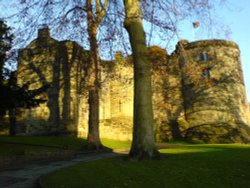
239	23
238	20
235	15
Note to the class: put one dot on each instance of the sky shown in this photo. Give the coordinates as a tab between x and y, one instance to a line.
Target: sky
238	20
239	23
236	15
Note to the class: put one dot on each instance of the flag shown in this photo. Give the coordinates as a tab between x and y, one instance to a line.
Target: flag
196	24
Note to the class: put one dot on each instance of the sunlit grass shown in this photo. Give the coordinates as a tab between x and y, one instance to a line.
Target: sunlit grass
115	144
188	150
183	166
68	142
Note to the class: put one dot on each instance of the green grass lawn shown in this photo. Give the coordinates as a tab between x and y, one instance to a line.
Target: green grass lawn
187	166
20	144
115	144
60	142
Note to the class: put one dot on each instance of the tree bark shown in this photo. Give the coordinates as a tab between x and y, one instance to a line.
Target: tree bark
94	141
12	121
175	129
143	144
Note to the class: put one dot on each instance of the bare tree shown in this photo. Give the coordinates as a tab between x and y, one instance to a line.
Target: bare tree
82	20
94	19
63	16
95	12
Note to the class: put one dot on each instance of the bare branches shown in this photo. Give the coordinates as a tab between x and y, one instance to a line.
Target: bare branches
75	9
101	9
102	12
163	20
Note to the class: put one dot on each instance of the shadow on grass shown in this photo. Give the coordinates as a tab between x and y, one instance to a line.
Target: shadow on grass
21	150
45	141
184	166
60	142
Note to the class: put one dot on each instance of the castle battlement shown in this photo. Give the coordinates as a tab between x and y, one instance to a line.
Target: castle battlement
210	43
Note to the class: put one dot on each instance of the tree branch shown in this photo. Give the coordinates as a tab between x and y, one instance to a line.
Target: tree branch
102	12
74	8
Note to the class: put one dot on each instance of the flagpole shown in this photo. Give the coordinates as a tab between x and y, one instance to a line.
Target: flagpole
193	32
195	25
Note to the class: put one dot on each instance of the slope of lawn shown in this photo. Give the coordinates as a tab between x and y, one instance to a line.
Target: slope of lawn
115	144
51	141
20	144
181	166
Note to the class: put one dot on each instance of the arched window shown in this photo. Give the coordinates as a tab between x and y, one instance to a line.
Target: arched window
203	56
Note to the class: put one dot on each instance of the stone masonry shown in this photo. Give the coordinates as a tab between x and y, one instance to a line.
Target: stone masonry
198	91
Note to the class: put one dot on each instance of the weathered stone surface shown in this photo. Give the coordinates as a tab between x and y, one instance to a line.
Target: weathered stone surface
216	106
198	91
60	64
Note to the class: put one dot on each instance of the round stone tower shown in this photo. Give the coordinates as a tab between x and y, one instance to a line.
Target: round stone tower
215	101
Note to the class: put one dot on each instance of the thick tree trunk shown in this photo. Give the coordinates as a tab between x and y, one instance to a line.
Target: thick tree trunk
143	144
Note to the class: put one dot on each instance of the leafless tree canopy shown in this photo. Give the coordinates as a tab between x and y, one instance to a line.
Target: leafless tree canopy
68	20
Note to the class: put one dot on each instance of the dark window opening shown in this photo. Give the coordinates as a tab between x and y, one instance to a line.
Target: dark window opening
206	73
203	56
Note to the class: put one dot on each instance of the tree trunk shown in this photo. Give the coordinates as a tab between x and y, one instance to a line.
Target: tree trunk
175	129
143	144
93	132
94	141
12	121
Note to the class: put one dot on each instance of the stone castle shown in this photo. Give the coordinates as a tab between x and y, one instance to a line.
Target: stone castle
198	91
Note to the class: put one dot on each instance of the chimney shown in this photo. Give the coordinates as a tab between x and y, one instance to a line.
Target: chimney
43	32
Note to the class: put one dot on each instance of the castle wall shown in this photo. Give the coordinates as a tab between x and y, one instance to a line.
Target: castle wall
36	67
214	91
121	103
47	61
116	101
198	91
168	101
